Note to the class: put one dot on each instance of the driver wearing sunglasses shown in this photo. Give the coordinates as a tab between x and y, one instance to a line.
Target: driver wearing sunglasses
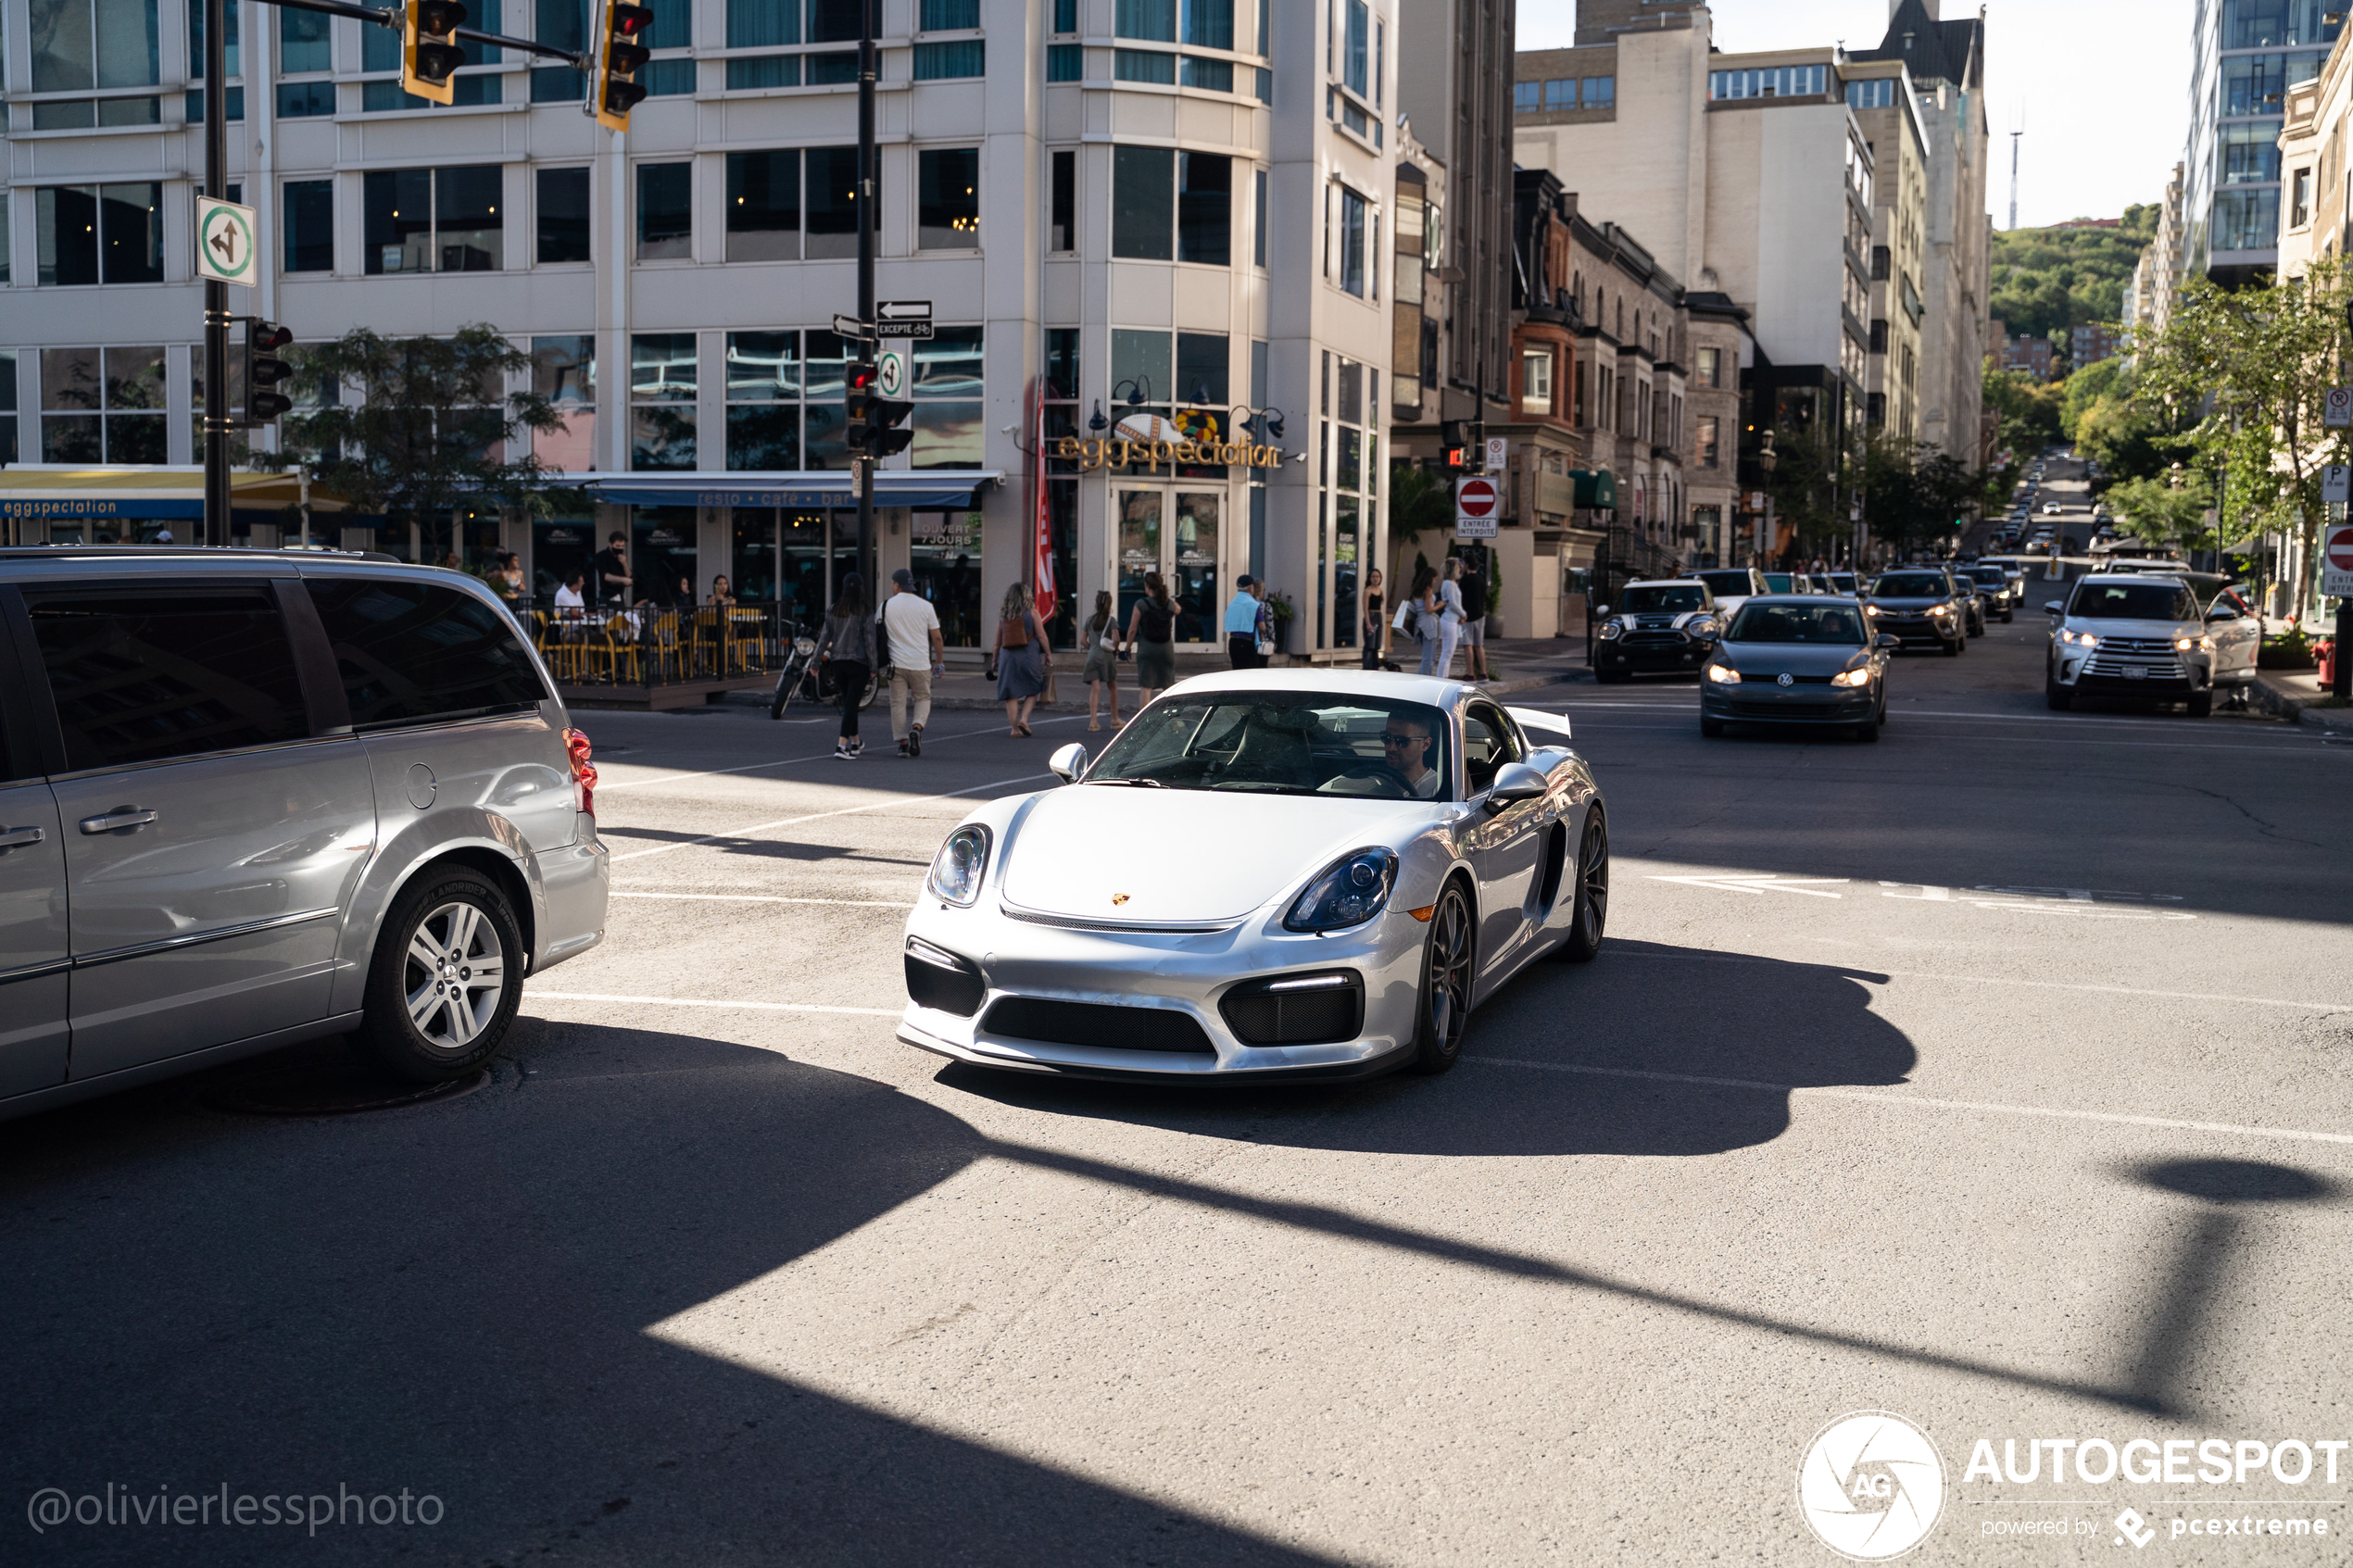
1405	746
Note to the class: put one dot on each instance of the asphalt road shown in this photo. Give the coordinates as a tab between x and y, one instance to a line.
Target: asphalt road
1995	1076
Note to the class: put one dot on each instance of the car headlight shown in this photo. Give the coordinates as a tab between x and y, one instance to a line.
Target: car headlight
1861	677
2080	639
1943	610
1702	628
2203	644
956	870
1870	610
1610	628
804	646
1723	674
1350	893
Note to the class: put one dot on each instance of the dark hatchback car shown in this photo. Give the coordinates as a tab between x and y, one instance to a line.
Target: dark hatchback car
1664	625
2000	593
1798	660
1920	606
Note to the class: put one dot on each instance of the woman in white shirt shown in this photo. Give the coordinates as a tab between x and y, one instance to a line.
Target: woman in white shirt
1450	614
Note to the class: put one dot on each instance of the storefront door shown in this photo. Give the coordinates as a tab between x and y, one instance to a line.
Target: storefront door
1175	533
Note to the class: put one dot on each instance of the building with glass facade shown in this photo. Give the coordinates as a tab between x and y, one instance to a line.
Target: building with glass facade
2246	54
1137	221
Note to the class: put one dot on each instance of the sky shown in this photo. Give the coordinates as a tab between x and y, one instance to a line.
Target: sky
2100	87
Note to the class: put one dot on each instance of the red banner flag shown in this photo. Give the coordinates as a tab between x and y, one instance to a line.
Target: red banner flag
1043	568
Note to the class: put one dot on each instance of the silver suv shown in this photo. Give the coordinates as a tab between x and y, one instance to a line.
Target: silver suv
248	799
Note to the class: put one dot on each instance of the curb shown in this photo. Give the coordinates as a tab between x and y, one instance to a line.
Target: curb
2289	706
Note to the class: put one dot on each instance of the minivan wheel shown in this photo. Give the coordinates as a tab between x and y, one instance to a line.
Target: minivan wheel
445	979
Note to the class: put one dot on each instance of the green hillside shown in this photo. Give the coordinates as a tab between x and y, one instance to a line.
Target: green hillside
2048	280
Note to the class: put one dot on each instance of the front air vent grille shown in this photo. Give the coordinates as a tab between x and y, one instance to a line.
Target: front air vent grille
1297	1010
938	978
1097	1026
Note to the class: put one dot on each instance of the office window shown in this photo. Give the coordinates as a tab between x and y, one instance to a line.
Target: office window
102	406
1876	93
301	100
1355	48
834	21
763	205
830	203
99	234
947	395
831	71
1709	456
1062	363
948	16
1143	65
1065	16
1155	20
1064	62
763	70
1258	224
478	88
1205	209
1214	76
1140	362
1598	92
379	48
563	370
947	199
557	85
310	225
1536	381
663	79
1143	203
302	42
1351	259
673	27
1882	263
665	211
758	24
2249	155
1527	96
2254	84
1879	337
1203	367
763	400
1208	24
949	61
661	400
2246	220
1063	203
433	220
8	451
562	216
1263	88
90	43
1768	81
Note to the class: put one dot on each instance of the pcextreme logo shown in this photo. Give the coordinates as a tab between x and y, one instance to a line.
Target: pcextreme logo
1871	1486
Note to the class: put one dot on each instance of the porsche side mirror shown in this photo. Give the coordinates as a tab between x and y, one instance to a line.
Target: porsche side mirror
1068	762
1889	639
1515	782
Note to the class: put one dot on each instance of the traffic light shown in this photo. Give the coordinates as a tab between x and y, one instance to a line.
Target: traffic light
620	51
874	419
428	51
265	369
1453	441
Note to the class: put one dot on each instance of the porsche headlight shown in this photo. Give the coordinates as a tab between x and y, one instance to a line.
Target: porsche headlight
956	870
1610	628
1350	893
1861	677
1723	674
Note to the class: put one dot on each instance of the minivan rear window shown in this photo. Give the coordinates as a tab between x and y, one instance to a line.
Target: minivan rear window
142	675
416	653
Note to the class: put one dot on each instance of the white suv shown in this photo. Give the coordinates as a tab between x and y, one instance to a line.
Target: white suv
2134	635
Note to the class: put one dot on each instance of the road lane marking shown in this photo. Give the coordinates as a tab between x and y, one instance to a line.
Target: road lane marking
819	816
1921	1101
532	994
767	898
1760	884
675	774
2000	980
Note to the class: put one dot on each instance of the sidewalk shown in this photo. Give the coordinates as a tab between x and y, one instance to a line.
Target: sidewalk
2297	696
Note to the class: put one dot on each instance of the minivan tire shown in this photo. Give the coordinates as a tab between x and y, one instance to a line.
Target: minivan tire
427	1025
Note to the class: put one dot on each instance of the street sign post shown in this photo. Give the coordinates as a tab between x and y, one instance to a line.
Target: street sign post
2336	408
1498	451
2337	483
1477	509
903	318
852	328
890	372
224	241
2336	571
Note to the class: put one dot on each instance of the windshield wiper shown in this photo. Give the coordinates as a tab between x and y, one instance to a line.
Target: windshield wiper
1138	782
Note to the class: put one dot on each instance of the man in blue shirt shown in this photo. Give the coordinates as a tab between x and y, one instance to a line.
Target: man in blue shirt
1242	624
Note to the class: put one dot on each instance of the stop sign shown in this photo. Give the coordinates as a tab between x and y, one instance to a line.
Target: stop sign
2340	548
1475	498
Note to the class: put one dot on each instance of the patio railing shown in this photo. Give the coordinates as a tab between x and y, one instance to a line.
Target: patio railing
653	647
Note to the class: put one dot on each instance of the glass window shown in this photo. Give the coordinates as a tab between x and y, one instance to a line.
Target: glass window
2249	154
563	370
2246	220
661	396
1352	241
1065	16
412	653
1536	381
143	676
1154	19
310	225
1286	742
1205	208
2258	24
303	43
468	234
1140	358
1354	46
85	43
1258	225
2254	84
563	215
953	60
945	562
1143	203
1211	76
1143	65
948	16
1527	96
831	202
103	405
379	48
948	199
1063	212
763	70
1064	62
1203	363
1208	24
1062	362
764	408
763	205
1599	93
1709	451
304	100
831	69
398	220
834	21
756	24
946	390
557	85
665	211
673	27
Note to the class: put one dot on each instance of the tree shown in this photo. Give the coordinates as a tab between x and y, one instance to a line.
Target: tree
2252	365
2155	510
2045	281
1914	493
1418	501
431	430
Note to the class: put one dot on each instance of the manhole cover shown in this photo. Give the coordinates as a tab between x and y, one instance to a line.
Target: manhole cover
329	1089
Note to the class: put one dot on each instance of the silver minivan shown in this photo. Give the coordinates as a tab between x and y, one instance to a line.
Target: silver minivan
248	799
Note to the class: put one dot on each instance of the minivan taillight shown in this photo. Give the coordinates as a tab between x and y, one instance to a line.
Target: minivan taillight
584	772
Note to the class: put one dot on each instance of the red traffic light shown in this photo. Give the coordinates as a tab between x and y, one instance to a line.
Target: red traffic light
628	20
440	18
268	338
861	376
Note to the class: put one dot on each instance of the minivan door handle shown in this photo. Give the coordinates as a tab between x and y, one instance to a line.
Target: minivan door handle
120	817
17	839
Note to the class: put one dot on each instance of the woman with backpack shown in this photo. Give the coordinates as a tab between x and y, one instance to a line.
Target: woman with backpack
1153	631
847	645
1022	658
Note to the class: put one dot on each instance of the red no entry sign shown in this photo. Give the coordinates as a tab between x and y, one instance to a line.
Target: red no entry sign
2340	548
1475	498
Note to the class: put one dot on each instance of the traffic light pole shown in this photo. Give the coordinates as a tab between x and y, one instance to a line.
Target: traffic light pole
217	412
866	183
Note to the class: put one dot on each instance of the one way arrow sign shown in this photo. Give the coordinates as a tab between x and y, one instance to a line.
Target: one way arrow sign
902	318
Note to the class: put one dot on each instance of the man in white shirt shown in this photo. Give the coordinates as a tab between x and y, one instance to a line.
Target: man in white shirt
568	598
1405	747
911	627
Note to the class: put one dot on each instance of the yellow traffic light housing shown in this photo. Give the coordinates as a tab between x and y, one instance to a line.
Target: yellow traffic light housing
620	51
429	51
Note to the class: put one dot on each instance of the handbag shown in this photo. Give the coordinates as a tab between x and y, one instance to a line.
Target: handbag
1400	624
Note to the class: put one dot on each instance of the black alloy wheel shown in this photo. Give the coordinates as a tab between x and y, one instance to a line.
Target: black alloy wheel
1589	916
1446	984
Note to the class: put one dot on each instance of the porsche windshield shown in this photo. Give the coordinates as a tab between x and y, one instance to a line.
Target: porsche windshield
2095	600
1911	585
1283	743
1838	624
1673	598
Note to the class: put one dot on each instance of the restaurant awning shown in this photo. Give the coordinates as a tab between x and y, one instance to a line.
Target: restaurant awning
932	488
1595	487
65	492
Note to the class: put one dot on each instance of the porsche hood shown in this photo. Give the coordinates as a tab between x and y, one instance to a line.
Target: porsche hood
1121	855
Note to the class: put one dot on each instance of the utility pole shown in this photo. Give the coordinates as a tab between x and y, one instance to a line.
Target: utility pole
867	182
2014	137
217	412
